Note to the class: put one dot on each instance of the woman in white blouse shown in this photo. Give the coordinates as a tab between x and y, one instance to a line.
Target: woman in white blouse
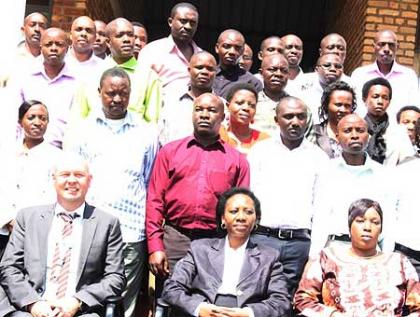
230	276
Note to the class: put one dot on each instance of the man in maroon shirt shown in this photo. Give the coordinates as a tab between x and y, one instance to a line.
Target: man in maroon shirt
188	176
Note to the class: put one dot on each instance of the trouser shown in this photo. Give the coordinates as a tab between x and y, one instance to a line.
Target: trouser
293	256
135	255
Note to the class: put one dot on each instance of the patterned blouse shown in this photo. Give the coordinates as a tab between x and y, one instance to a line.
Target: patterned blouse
378	286
227	135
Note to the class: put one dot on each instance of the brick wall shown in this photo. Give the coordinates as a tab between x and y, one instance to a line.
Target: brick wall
350	23
399	16
65	11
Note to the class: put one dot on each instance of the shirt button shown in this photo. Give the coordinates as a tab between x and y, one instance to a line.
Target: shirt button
239	292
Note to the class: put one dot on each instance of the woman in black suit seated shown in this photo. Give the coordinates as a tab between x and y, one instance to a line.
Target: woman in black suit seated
230	276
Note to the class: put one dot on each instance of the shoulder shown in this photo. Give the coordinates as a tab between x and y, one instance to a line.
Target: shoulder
156	45
361	70
30	213
405	69
103	216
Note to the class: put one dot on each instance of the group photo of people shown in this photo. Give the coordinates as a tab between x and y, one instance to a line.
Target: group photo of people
166	180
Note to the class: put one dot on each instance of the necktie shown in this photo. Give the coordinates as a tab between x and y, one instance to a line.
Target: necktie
62	256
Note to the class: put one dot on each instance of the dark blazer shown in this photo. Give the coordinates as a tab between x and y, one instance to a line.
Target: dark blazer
198	276
24	264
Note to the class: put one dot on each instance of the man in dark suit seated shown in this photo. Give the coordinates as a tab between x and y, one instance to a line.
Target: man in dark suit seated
63	259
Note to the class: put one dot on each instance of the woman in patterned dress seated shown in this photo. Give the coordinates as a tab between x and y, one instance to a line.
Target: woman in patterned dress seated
358	280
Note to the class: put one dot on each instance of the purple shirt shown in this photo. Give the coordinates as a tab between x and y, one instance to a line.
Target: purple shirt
56	94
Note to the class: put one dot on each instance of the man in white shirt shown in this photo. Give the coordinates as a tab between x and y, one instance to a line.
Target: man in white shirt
284	182
352	176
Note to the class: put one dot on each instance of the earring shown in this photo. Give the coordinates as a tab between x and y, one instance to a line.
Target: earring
223	226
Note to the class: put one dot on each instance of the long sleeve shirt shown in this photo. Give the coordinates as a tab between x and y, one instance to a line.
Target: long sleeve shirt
186	181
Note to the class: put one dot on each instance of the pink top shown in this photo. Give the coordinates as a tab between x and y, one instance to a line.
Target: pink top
164	57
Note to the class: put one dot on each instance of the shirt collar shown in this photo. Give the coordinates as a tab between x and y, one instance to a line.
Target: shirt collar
171	45
129	119
40	69
129	65
79	211
241	249
396	68
368	166
219	143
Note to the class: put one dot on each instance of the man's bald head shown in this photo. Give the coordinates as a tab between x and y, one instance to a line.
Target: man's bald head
293	49
33	26
334	43
271	45
352	134
120	34
54	44
208	115
229	47
202	69
83	35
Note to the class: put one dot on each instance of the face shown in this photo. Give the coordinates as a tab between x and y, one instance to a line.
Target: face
245	61
140	39
202	71
293	50
272	45
292	117
71	182
340	105
99	46
334	44
275	71
184	24
121	39
329	69
353	134
229	48
35	122
115	95
83	34
239	216
385	47
377	101
208	114
33	27
408	118
365	230
54	47
242	107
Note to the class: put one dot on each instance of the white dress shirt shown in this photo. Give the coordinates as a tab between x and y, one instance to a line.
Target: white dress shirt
284	181
406	228
339	187
74	242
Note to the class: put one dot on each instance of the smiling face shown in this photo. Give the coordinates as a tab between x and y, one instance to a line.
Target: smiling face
365	230
377	100
115	96
239	216
35	122
83	34
71	182
242	107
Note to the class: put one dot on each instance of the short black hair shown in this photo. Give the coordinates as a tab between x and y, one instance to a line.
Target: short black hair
373	82
221	204
183	5
407	108
359	208
114	72
241	86
326	95
26	105
135	23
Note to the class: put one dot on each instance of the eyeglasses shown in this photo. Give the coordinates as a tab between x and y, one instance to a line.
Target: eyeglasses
329	65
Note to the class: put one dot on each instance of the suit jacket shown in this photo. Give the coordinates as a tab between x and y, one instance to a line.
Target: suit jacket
198	276
23	267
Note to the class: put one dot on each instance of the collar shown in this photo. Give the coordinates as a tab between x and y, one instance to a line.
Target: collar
40	69
218	144
241	249
79	211
171	45
368	166
129	65
304	145
234	70
396	68
93	58
263	96
129	119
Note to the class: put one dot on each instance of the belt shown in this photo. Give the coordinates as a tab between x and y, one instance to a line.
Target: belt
407	251
195	233
285	234
340	237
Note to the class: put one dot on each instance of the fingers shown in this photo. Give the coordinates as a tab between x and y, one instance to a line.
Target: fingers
166	266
